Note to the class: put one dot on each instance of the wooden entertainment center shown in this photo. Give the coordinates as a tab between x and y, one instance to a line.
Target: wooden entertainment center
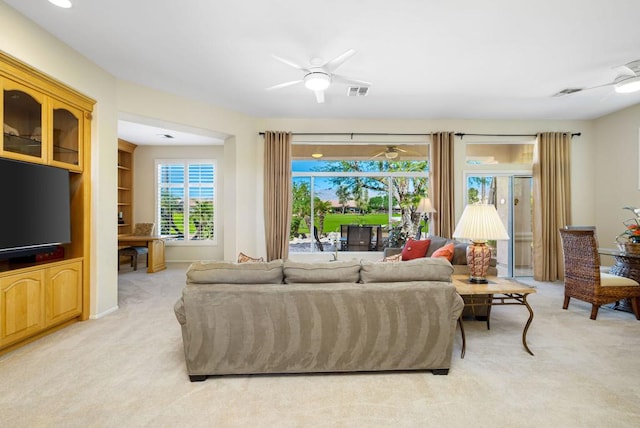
46	122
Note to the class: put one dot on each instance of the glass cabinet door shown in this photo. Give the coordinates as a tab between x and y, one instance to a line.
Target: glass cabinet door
22	122
67	132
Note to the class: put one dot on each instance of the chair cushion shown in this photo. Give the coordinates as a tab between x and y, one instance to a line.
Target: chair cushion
608	280
321	272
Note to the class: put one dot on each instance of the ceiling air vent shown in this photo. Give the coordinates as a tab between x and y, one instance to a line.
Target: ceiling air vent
567	91
357	91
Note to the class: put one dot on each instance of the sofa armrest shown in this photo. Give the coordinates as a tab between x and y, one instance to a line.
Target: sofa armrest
178	309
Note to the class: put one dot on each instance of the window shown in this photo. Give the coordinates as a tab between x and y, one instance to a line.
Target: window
355	185
186	200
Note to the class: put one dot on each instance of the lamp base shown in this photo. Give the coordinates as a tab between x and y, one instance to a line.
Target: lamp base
478	258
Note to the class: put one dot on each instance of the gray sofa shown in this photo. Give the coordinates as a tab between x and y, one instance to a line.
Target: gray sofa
459	261
291	317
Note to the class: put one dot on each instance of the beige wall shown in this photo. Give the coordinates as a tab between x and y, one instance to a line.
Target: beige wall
144	194
616	166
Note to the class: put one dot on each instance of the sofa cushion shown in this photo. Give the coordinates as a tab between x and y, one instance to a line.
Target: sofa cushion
235	273
319	272
445	251
422	269
414	249
436	243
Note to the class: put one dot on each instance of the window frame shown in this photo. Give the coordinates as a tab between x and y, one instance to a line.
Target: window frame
186	162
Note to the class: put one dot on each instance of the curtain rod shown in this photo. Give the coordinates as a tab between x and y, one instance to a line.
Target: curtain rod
462	135
457	134
369	134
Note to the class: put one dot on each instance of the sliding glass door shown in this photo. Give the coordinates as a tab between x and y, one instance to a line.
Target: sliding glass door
512	195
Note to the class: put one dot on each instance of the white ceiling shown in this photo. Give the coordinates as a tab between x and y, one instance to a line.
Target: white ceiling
460	59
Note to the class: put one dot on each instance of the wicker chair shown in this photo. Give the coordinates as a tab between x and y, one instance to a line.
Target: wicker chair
583	279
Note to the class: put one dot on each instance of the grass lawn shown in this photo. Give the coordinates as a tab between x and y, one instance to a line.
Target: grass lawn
332	222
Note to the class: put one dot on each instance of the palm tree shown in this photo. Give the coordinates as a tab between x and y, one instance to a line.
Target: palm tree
321	209
344	196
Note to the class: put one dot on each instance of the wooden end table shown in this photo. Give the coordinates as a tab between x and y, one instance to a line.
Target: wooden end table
500	291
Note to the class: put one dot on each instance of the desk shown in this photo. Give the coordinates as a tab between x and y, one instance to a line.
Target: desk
155	244
501	291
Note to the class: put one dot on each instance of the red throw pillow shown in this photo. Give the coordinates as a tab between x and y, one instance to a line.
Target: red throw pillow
445	251
415	249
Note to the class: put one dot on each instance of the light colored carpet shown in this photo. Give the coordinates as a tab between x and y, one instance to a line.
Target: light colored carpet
127	370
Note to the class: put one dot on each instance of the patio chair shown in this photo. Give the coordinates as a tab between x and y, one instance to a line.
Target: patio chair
583	279
358	238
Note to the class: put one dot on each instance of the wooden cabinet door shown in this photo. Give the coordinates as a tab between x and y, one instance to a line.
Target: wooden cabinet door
64	292
21	306
66	135
24	123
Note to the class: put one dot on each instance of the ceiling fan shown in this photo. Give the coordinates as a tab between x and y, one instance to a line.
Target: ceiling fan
392	152
627	80
319	75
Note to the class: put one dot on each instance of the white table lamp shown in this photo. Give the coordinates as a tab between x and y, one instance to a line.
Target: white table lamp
479	223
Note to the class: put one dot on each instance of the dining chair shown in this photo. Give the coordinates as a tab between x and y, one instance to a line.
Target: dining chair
583	278
358	238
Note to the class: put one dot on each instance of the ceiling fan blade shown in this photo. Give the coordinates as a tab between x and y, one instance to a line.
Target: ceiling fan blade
571	91
290	63
319	96
338	61
624	70
284	85
349	80
376	156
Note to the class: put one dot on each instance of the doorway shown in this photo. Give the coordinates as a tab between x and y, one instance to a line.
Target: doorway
512	195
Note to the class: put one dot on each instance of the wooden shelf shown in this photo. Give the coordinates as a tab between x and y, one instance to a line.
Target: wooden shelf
125	187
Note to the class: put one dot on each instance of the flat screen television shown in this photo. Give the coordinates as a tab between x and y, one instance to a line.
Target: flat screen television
35	215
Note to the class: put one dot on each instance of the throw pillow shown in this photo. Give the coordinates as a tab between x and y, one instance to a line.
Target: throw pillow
243	258
445	251
393	259
415	249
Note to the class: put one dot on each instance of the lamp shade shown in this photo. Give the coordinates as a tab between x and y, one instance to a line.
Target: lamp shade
480	222
425	206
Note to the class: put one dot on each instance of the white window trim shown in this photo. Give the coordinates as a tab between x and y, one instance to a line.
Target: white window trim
189	243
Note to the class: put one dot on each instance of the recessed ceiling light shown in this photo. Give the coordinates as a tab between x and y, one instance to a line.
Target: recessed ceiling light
316	155
61	3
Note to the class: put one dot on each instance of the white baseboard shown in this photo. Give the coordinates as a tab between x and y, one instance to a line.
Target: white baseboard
104	313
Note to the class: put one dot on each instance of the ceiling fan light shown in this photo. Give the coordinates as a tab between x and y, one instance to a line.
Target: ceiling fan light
628	85
317	81
66	4
390	154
